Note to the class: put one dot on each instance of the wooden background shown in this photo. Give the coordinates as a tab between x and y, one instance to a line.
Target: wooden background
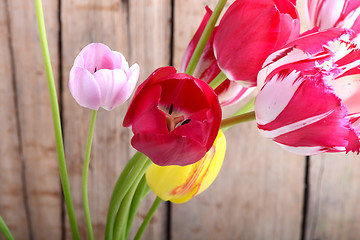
262	192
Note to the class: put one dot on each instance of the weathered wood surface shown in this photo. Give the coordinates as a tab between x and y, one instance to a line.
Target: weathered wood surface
123	26
11	180
334	211
31	142
260	189
259	192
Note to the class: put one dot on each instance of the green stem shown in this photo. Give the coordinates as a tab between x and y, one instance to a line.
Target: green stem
5	230
56	121
246	108
148	218
141	192
228	122
219	79
85	175
123	213
122	186
205	37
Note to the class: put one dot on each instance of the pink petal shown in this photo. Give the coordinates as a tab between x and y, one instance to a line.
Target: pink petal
91	57
231	92
311	116
289	30
84	88
246	35
112	86
314	42
114	60
348	89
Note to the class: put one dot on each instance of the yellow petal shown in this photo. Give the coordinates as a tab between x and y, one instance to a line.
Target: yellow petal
179	184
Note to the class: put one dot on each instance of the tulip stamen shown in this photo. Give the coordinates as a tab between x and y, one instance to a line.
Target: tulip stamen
186	121
171	108
95	69
172	122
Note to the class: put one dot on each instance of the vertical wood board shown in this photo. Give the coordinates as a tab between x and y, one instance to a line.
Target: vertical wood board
123	26
333	211
259	191
12	205
40	173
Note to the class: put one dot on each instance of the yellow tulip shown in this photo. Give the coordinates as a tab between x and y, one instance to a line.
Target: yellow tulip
179	184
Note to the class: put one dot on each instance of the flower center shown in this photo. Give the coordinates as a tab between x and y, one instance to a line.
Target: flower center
174	121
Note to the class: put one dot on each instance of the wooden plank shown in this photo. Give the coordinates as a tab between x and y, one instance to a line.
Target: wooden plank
257	195
12	206
123	26
259	191
334	197
41	181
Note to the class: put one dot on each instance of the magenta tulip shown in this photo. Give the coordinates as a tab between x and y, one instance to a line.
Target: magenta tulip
249	32
229	92
102	78
175	118
309	98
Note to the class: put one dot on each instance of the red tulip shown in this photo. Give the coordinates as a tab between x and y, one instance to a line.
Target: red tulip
309	98
175	118
249	32
229	92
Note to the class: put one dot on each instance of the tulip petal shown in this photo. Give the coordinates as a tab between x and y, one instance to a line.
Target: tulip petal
164	112
311	116
179	184
168	149
91	57
112	85
84	88
114	60
253	40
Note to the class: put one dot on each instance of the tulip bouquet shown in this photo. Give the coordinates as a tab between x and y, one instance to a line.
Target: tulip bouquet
307	87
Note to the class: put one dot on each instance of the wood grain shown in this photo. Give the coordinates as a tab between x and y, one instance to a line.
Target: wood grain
141	31
12	204
37	146
257	195
259	191
334	197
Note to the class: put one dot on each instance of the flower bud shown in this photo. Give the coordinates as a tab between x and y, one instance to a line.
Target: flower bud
102	78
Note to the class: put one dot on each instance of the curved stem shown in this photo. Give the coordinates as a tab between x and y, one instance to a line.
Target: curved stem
56	121
141	192
125	181
5	230
205	37
148	218
121	223
85	175
219	79
231	121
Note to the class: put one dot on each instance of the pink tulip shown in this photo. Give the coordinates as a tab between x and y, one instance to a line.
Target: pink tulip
249	32
101	77
309	98
229	92
175	118
331	13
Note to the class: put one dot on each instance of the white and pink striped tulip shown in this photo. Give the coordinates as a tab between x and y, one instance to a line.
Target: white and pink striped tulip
229	92
101	77
329	13
309	98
